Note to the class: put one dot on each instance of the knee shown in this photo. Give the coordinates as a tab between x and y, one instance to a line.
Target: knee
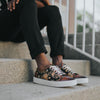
28	11
53	11
28	7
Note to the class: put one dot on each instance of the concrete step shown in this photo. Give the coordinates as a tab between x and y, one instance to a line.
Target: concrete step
22	70
71	53
14	71
88	38
16	50
31	91
80	66
88	49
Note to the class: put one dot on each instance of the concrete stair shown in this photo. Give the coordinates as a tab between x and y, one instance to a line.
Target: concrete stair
14	71
88	47
16	50
17	67
22	70
88	38
73	54
31	91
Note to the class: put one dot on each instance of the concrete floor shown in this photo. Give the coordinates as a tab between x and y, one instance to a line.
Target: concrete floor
31	91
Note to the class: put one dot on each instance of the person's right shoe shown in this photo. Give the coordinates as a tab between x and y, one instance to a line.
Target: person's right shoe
53	76
79	78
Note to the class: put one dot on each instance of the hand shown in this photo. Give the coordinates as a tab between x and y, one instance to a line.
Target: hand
39	4
47	2
12	4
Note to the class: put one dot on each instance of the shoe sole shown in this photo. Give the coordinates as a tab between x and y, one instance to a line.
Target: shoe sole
82	80
68	83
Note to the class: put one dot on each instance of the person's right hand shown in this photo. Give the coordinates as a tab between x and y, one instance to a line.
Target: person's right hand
12	4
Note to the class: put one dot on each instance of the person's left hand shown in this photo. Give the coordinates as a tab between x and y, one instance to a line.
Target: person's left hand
39	4
47	2
12	4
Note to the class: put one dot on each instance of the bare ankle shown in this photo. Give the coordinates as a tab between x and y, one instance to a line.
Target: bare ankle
42	61
57	60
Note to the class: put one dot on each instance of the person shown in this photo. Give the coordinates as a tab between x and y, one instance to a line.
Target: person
22	20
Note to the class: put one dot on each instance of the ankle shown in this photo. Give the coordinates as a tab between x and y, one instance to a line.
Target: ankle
42	61
58	60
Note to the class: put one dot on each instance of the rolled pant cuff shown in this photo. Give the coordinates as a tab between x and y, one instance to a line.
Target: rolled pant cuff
56	54
39	51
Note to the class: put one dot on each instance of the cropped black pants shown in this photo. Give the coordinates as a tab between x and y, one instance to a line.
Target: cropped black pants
25	23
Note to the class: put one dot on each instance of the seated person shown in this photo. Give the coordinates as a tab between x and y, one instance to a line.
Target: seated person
22	20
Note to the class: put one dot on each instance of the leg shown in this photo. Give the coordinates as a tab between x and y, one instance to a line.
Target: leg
25	19
11	30
8	25
31	33
51	17
56	35
52	73
30	28
55	31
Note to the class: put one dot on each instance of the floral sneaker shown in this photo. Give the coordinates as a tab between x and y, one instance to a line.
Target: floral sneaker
53	76
80	79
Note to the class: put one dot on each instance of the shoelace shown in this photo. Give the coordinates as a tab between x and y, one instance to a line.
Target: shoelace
57	70
68	68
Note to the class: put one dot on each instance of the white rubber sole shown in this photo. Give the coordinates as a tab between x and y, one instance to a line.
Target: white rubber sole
68	83
82	80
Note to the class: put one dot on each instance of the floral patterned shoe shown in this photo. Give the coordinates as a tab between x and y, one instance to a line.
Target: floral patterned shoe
53	76
80	79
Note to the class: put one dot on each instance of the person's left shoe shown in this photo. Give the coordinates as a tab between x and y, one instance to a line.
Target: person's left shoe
80	79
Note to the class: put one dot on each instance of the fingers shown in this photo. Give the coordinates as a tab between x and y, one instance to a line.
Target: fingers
12	4
17	1
11	7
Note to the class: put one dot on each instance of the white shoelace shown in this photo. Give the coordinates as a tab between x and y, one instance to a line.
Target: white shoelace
57	70
67	67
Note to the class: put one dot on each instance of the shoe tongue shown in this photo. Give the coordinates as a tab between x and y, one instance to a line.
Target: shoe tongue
58	70
53	66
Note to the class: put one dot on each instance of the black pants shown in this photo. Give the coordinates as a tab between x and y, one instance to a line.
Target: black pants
25	23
